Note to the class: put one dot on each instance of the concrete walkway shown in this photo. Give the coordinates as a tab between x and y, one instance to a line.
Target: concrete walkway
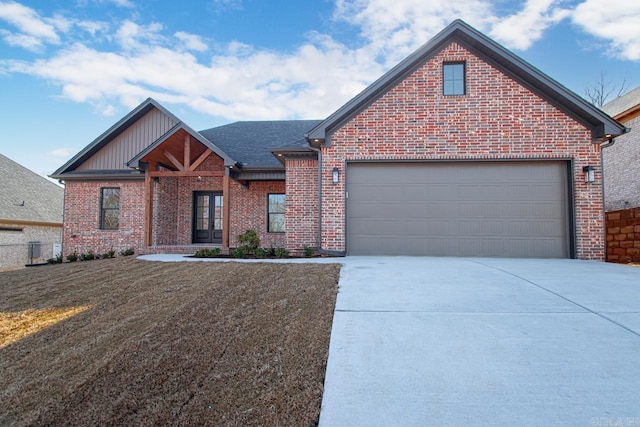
482	342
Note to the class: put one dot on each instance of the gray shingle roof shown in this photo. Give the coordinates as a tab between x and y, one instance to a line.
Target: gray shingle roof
249	142
623	103
26	196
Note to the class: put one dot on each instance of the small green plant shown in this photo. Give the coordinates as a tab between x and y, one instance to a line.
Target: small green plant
308	251
109	254
238	253
72	257
127	252
207	253
249	241
271	251
260	253
281	252
88	256
55	260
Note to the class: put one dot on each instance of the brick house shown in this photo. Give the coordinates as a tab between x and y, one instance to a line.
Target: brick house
621	163
462	149
30	217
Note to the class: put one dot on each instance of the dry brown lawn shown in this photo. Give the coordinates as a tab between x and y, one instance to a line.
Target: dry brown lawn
129	342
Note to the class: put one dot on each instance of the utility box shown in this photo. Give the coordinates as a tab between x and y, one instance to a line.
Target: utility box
57	250
34	251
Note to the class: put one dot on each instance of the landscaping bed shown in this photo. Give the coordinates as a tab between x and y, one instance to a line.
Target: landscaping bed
146	343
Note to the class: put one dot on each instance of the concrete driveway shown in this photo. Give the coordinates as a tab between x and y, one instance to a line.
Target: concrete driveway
484	342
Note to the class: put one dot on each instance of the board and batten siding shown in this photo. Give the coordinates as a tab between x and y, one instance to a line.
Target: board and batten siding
129	143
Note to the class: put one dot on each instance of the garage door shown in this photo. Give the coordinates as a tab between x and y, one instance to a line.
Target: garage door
486	209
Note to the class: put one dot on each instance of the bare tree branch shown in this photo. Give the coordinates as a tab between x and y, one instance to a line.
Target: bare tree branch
598	92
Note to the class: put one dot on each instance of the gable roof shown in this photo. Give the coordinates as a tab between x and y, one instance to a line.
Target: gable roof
135	162
27	196
249	142
625	106
109	135
601	125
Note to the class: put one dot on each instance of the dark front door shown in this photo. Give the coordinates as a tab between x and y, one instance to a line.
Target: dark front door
207	217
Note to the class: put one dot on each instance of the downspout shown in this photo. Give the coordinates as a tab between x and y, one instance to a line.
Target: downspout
604	209
319	242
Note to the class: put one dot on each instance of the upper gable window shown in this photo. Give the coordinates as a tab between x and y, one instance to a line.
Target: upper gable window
453	78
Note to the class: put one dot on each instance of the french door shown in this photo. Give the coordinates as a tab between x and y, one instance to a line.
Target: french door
207	217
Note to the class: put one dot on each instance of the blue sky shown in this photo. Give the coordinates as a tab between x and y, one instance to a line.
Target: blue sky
69	69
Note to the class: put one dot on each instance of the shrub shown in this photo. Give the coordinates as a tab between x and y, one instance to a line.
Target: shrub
238	252
308	251
281	252
261	253
109	254
127	252
88	256
249	241
73	257
207	253
55	260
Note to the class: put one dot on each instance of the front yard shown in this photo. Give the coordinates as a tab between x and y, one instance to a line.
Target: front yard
131	342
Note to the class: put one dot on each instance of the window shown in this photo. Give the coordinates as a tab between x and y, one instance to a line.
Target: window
275	213
453	78
110	209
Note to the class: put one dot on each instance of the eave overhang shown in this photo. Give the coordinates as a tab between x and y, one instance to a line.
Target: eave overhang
293	153
602	126
100	175
257	173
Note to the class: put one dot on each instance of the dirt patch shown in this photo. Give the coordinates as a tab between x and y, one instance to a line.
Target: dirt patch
15	326
169	343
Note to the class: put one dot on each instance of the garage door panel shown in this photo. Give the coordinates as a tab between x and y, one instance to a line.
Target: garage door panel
507	209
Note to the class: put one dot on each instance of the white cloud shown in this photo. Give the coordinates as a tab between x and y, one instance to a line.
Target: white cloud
522	29
617	21
131	35
34	31
191	41
393	28
61	152
240	81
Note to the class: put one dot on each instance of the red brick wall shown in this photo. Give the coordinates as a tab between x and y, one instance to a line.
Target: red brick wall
302	204
623	236
172	211
82	233
249	211
496	119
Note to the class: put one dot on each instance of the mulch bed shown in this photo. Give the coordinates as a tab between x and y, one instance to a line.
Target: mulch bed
169	343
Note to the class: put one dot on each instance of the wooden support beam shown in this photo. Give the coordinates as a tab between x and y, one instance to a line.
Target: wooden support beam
173	160
225	211
187	152
186	173
200	159
148	210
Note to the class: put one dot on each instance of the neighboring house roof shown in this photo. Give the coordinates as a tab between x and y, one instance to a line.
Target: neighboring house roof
601	125
624	107
249	142
27	196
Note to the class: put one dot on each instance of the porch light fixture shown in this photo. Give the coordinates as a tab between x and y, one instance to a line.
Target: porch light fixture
335	175
589	174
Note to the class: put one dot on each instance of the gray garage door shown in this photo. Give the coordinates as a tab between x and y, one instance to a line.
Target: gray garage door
487	209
